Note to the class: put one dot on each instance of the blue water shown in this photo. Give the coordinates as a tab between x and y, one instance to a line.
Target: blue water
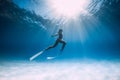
92	37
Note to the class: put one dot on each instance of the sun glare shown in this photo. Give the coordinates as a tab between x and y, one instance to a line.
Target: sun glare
69	8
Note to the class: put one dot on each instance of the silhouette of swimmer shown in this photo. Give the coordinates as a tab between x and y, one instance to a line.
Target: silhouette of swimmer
58	40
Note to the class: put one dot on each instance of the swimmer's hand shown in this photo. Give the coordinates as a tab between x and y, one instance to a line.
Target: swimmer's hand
54	35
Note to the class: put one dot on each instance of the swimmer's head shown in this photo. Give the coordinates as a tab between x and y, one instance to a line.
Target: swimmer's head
60	30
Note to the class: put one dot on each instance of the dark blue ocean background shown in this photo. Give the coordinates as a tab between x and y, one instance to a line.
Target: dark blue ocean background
24	33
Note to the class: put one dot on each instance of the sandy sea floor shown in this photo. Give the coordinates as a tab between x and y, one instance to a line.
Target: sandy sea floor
60	70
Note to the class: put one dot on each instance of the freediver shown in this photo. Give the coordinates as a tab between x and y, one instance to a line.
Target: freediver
58	40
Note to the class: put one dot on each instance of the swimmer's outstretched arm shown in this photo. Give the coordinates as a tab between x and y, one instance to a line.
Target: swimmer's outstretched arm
54	35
